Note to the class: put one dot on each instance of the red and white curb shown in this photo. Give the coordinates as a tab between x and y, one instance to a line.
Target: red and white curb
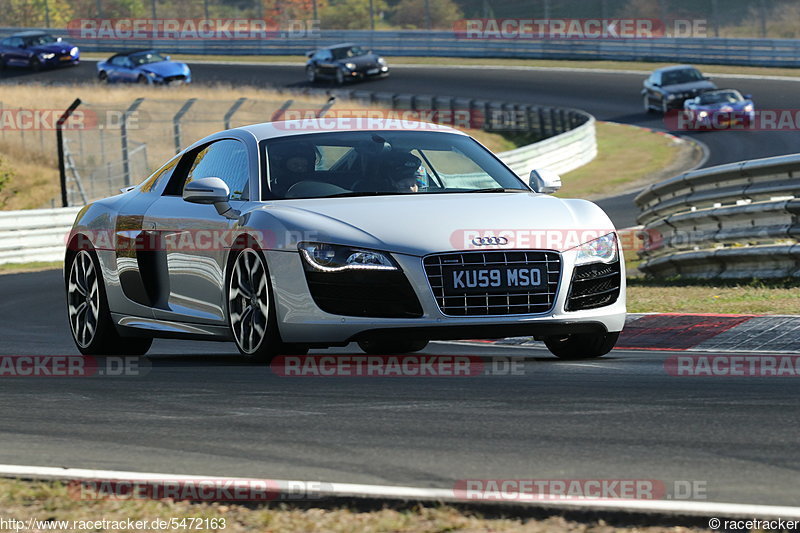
401	493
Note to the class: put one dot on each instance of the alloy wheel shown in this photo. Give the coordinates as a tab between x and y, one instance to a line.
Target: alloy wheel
248	301
83	299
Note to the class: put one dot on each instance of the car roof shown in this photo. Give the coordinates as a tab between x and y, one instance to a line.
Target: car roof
341	45
30	33
675	67
273	130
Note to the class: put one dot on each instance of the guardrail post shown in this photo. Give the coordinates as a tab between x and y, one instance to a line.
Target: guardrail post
176	122
62	171
126	169
326	107
234	108
277	115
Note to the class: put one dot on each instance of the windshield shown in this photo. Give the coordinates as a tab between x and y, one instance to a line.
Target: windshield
675	77
722	97
143	58
381	163
349	51
39	39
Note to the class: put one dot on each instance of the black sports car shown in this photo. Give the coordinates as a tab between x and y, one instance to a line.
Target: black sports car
669	87
343	62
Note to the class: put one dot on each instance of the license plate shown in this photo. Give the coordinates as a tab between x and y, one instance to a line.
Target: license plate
495	280
372	71
66	58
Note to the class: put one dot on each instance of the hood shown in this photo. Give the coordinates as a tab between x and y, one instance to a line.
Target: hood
417	224
701	85
165	68
52	48
369	60
715	107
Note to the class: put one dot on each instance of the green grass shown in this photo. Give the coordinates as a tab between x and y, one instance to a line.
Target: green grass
772	297
625	155
642	66
36	266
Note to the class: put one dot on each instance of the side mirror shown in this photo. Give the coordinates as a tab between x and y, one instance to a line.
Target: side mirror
748	97
545	181
309	54
210	191
706	77
166	58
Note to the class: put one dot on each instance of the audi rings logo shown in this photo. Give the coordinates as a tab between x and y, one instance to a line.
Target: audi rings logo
489	241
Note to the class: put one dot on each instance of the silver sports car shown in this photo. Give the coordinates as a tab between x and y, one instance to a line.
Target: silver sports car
288	236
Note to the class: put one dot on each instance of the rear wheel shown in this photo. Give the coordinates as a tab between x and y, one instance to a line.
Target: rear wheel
389	347
581	345
89	316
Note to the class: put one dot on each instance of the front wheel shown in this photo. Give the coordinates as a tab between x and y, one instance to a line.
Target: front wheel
251	312
102	77
581	345
89	315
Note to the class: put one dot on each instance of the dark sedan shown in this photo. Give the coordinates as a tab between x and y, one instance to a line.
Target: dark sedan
344	62
36	49
668	88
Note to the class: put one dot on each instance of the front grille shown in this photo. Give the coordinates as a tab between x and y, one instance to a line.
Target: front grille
170	79
593	286
511	301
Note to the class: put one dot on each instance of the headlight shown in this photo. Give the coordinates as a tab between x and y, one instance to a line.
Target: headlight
336	258
703	114
726	109
381	61
671	97
47	56
73	51
748	108
350	66
601	250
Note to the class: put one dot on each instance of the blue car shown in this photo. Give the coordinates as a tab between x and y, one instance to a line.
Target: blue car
721	108
143	66
37	49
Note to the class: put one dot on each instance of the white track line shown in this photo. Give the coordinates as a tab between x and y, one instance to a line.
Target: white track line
354	490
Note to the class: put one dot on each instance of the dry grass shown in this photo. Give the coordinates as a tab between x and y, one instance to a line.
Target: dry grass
51	501
627	157
31	155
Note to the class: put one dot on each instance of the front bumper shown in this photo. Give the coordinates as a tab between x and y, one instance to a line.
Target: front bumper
375	72
300	319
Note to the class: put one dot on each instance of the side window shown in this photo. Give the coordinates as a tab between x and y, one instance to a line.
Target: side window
5	42
118	61
226	159
16	41
164	172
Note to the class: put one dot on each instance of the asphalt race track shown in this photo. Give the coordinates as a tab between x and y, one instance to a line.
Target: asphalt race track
198	410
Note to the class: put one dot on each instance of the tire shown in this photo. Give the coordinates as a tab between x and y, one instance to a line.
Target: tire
311	74
581	345
251	315
141	80
390	347
647	107
102	77
89	316
339	77
36	65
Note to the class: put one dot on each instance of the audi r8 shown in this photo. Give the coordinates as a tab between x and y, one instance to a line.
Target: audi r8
292	235
343	63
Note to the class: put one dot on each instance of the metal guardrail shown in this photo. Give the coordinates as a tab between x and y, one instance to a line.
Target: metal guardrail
35	235
707	50
740	220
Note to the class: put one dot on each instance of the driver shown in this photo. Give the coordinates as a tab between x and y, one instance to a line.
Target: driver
403	173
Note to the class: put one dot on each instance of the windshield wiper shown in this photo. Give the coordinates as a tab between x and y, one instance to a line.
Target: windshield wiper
498	189
358	193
